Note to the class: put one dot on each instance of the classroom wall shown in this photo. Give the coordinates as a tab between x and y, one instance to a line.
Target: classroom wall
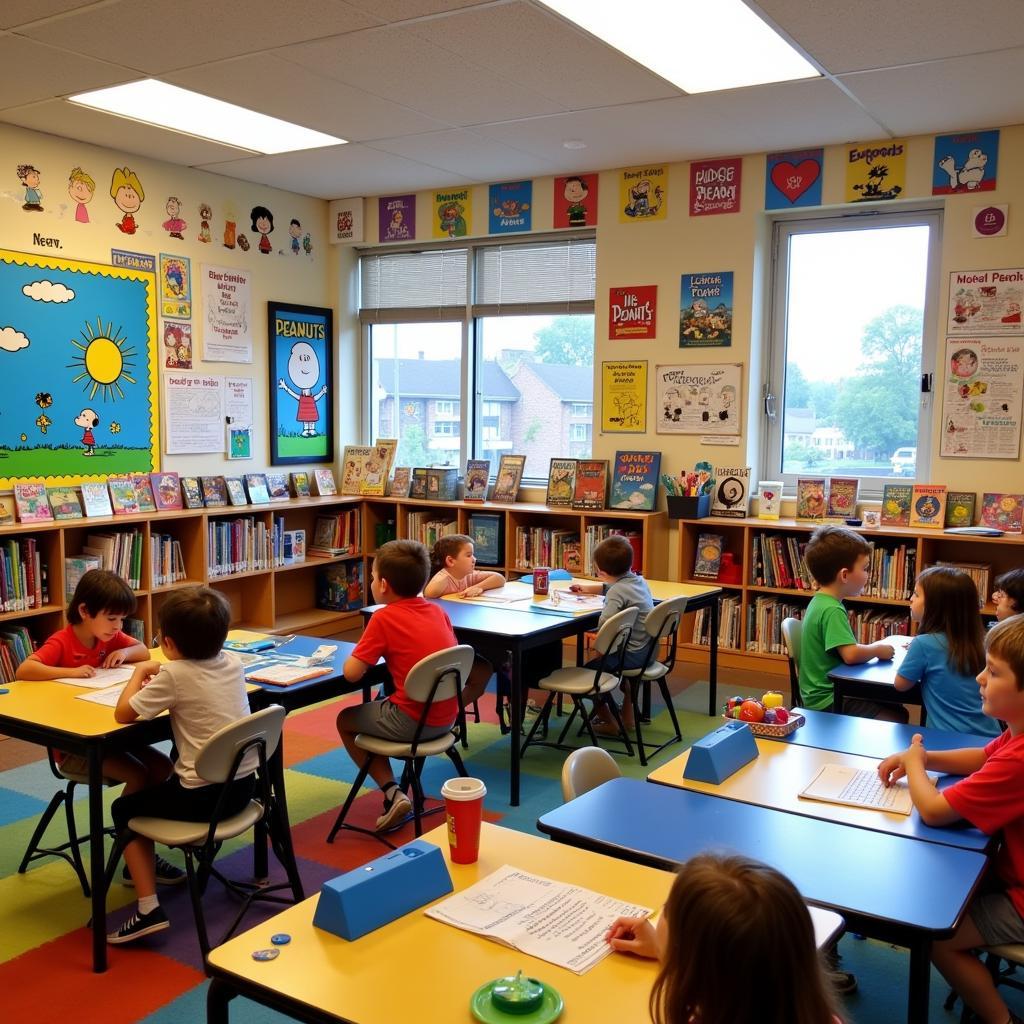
306	279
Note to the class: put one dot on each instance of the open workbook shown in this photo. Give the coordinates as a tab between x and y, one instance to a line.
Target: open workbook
553	921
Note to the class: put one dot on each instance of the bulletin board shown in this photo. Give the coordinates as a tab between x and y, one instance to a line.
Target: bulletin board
79	350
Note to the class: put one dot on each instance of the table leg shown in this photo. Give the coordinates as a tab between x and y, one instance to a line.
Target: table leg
515	702
218	995
713	665
97	874
838	696
918	982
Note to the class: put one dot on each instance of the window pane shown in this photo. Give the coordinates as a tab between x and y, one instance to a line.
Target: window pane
536	389
855	307
415	378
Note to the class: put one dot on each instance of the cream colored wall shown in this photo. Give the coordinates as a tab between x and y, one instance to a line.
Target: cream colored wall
284	278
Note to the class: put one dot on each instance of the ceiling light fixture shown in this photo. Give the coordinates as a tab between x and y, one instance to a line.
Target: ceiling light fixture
181	110
740	50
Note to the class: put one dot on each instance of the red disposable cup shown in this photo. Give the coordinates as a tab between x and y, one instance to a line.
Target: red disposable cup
464	809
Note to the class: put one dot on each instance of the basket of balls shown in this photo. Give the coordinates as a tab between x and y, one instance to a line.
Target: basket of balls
766	717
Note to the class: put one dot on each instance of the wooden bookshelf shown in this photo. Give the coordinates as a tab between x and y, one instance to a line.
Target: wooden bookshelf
929	546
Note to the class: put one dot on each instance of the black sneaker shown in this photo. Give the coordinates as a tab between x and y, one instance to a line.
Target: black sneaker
166	874
138	925
396	807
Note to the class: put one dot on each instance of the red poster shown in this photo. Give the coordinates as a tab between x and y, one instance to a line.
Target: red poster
632	312
715	186
576	201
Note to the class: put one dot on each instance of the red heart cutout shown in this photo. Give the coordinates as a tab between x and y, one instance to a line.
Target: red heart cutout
792	181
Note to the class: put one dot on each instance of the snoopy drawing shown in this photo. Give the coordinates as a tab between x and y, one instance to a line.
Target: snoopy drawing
969	176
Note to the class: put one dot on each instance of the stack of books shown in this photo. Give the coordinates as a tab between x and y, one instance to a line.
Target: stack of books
239	545
21	576
427	528
121	552
338	534
870	627
15	646
166	559
892	573
777	560
540	545
728	625
764	624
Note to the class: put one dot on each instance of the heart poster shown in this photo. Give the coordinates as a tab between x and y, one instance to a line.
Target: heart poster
793	179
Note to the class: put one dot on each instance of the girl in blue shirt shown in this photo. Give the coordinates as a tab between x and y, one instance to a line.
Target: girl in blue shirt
948	651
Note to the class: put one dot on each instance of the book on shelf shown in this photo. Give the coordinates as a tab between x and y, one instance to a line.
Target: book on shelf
144	492
387	449
96	500
122	496
635	481
561	483
236	490
510	475
400	482
256	483
442	484
594	534
16	644
64	502
373	480
488	532
339	587
572	557
928	506
980	573
765	615
591	492
418	482
871	626
777	560
295	540
300	484
811	501
960	508
353	466
543	545
1002	511
708	556
33	506
896	504
842	496
166	559
429	527
277	486
166	491
478	473
244	544
892	572
323	481
337	534
215	492
75	567
191	492
730	496
136	629
119	551
729	623
22	575
6	510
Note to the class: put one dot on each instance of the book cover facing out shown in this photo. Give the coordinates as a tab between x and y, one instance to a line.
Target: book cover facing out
488	540
708	557
928	506
635	481
896	504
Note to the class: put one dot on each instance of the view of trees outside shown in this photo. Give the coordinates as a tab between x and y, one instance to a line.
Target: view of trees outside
853	349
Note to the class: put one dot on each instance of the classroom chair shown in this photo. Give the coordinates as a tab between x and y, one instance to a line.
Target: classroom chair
595	684
1002	963
69	850
585	769
439	676
217	763
792	630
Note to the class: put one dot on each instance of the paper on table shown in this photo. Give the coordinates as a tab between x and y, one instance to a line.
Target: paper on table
285	675
103	678
497	596
107	697
562	602
553	921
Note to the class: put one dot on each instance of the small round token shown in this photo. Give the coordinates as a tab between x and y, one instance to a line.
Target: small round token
280	939
3	689
266	954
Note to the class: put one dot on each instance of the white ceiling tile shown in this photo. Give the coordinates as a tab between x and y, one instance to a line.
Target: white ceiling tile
405	69
846	36
58	117
274	86
402	10
157	36
556	59
24	12
948	95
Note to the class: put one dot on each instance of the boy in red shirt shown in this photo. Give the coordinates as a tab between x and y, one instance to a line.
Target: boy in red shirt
992	799
403	632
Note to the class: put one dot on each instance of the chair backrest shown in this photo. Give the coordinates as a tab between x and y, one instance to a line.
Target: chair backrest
219	753
586	768
613	636
449	668
662	623
791	633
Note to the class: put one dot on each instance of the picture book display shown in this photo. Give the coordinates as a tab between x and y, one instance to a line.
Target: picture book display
1002	511
144	492
400	482
123	496
6	510
478	473
896	504
96	499
928	506
215	492
810	498
510	475
442	484
561	483
300	485
374	480
635	481
64	502
191	492
418	482
769	499
354	465
33	506
488	533
277	486
256	483
166	491
591	490
339	587
708	557
323	480
960	508
842	497
730	494
236	490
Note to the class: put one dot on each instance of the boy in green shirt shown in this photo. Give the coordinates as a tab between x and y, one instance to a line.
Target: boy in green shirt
838	559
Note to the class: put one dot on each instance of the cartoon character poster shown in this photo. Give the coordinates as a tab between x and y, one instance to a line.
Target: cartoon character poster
301	371
177	345
876	171
699	398
793	179
452	213
633	312
965	162
624	397
397	218
176	286
575	201
705	310
715	186
510	207
643	194
80	339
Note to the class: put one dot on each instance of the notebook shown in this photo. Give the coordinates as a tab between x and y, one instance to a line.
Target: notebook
839	784
285	675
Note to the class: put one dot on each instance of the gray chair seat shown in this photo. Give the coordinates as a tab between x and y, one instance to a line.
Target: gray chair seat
658	670
578	680
193	833
393	748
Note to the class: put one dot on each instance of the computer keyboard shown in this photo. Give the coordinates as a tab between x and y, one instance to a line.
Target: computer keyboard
866	789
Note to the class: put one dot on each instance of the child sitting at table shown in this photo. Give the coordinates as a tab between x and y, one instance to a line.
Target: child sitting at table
1008	597
838	560
948	652
94	639
723	912
202	688
992	799
406	630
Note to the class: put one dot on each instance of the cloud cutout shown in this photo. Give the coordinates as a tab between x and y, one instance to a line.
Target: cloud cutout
48	291
12	339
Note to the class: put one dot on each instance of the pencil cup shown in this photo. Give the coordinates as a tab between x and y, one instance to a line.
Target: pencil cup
464	809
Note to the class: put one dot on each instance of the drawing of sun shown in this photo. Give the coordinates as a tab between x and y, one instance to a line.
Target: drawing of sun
105	361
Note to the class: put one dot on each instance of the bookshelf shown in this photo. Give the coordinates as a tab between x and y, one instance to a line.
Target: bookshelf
760	600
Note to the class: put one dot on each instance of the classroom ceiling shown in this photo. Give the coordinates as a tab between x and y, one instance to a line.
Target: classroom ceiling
433	93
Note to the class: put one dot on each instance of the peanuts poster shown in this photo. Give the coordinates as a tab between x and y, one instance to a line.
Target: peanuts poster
575	201
965	162
715	186
643	194
510	207
452	215
876	171
705	309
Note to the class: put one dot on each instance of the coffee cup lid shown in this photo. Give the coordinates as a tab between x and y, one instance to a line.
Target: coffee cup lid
463	789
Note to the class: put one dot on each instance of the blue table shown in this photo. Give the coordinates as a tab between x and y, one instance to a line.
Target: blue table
873	680
892	888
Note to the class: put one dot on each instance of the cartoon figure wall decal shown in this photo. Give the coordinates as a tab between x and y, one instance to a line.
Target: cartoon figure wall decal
263	222
81	188
128	195
88	421
205	216
295	230
174	225
304	372
575	193
29	177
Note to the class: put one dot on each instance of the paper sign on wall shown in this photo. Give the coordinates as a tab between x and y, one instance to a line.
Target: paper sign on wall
227	314
876	170
345	221
633	312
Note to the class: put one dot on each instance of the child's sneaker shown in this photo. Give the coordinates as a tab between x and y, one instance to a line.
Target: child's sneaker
166	874
396	807
138	925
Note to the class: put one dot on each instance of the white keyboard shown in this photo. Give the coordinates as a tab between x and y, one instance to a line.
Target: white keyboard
866	790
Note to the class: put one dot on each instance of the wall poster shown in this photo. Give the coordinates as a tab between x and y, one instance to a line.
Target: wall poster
633	312
624	397
227	309
699	398
986	302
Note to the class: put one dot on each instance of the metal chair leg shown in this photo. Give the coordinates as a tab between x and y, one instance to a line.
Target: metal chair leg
349	800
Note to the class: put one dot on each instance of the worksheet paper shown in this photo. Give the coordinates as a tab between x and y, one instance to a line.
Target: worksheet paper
103	678
107	697
553	921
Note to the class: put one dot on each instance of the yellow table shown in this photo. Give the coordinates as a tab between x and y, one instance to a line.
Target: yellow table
420	970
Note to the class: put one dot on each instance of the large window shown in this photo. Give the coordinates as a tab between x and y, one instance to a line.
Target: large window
853	328
482	350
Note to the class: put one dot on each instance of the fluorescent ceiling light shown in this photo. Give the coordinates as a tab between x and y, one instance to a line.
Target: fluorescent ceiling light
697	46
182	110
